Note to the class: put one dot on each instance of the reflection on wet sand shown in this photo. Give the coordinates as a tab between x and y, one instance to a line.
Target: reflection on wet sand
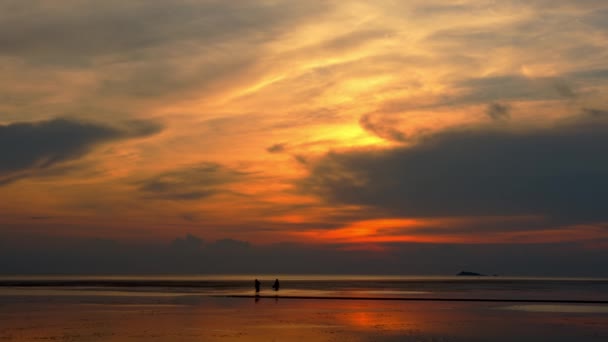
227	319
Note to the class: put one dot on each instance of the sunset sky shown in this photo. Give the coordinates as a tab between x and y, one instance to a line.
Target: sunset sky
343	133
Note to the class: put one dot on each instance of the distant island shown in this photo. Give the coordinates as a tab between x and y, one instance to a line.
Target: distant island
466	273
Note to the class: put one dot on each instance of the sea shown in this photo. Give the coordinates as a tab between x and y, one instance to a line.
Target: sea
324	308
368	287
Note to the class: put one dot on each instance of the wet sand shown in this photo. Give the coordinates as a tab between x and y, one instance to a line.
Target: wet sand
195	318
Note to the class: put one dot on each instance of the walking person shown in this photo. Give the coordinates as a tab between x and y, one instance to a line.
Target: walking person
257	287
275	286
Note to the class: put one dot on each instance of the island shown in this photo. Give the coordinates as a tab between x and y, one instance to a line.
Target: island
466	273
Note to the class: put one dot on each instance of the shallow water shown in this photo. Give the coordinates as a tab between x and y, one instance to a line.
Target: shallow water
500	288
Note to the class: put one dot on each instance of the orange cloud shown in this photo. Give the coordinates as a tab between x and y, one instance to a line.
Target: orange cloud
449	230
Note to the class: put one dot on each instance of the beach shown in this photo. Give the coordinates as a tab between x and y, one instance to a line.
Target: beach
84	313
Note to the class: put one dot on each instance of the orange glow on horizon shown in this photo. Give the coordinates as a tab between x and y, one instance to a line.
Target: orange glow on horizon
380	231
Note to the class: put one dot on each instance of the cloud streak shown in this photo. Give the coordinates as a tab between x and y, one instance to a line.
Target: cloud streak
190	183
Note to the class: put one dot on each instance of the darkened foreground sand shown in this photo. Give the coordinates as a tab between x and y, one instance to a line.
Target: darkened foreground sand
189	318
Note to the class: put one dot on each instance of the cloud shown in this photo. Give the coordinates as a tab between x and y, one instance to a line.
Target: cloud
27	146
564	89
356	39
594	75
76	32
552	34
229	245
512	87
189	243
383	128
190	183
441	9
560	172
598	19
497	89
595	112
119	59
497	111
276	148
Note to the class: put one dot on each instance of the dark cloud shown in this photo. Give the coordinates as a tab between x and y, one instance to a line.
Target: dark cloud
191	183
383	128
511	87
301	159
564	90
560	172
276	148
592	112
229	245
27	146
590	74
189	243
497	111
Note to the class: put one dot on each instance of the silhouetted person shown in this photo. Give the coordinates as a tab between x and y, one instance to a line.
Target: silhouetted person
275	286
257	287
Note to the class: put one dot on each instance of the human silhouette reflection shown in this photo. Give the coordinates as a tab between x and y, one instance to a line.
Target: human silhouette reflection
257	287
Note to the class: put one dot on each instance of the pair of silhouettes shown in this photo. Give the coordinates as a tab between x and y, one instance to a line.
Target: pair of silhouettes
275	286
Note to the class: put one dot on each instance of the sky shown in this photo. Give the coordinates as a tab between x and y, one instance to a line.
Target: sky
320	136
